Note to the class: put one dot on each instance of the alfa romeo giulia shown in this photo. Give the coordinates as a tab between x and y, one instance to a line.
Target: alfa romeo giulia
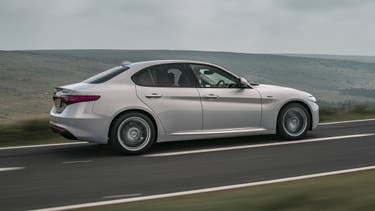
134	105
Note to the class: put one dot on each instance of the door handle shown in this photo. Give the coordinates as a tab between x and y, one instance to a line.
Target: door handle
211	96
153	95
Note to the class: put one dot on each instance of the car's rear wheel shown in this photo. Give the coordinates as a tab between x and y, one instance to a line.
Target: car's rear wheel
293	121
132	133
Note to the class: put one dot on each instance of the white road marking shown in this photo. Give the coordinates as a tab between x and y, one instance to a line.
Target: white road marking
122	196
350	121
84	142
11	168
205	190
43	145
77	161
256	145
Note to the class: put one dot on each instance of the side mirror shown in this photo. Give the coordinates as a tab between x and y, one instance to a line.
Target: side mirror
244	83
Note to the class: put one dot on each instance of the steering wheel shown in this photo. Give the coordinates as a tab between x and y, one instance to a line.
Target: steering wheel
220	82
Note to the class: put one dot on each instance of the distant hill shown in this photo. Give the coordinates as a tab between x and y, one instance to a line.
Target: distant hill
28	77
365	59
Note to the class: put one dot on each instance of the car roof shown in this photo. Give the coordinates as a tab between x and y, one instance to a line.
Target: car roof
144	64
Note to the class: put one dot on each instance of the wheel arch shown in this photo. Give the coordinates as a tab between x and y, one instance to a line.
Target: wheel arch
138	110
305	105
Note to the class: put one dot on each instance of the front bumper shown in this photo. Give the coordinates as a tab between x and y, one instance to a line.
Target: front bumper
314	108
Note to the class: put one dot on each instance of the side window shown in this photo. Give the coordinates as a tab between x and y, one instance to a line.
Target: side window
143	78
165	75
212	77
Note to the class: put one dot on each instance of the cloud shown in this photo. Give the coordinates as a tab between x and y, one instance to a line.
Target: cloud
321	5
264	26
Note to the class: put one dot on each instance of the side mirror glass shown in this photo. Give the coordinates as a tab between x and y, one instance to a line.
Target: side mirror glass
244	83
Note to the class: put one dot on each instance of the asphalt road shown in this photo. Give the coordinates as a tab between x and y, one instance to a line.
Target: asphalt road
73	174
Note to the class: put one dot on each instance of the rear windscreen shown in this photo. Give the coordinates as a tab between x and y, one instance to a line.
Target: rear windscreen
106	75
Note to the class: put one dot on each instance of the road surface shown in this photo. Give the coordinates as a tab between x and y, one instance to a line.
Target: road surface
42	177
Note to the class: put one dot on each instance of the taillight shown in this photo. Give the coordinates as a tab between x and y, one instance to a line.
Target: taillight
71	99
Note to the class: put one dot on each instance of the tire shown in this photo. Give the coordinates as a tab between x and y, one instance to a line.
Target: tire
293	122
132	133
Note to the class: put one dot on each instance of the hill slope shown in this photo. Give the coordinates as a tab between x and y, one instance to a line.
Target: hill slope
28	77
365	59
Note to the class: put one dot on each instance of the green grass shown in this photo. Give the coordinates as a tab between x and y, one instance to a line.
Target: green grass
355	191
28	132
354	112
37	131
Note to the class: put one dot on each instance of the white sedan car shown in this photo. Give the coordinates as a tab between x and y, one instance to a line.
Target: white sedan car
134	105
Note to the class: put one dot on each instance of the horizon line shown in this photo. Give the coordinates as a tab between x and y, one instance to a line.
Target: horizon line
196	50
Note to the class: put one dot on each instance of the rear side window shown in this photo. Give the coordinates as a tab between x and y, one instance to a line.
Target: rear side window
106	75
165	75
143	78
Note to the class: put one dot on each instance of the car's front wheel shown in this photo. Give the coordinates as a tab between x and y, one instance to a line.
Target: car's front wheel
132	133
293	121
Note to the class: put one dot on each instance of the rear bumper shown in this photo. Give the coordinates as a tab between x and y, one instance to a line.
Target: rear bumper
63	132
80	126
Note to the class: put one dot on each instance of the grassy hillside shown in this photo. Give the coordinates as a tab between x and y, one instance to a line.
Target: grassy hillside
365	59
28	77
27	81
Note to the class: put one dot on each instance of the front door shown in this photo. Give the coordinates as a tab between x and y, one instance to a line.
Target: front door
225	105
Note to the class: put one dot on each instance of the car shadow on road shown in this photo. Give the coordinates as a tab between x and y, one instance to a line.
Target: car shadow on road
211	143
220	142
91	151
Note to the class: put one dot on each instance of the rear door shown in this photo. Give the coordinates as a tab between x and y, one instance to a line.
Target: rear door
225	105
170	91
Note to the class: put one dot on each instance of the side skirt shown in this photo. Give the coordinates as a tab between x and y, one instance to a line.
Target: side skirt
209	134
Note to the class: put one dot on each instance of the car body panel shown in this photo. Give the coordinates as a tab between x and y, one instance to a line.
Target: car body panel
275	97
223	105
179	109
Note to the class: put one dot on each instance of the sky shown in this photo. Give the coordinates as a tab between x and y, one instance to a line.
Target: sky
344	27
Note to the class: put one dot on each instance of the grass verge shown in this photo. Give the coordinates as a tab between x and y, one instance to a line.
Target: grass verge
354	191
333	114
28	132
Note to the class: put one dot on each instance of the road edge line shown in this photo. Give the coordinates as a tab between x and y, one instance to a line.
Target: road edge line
205	190
11	168
251	146
43	145
347	121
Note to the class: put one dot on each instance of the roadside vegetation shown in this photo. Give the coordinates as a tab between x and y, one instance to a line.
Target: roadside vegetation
28	77
28	132
37	131
346	112
354	191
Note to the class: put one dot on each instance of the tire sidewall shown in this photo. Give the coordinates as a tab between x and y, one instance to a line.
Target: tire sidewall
280	129
115	142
